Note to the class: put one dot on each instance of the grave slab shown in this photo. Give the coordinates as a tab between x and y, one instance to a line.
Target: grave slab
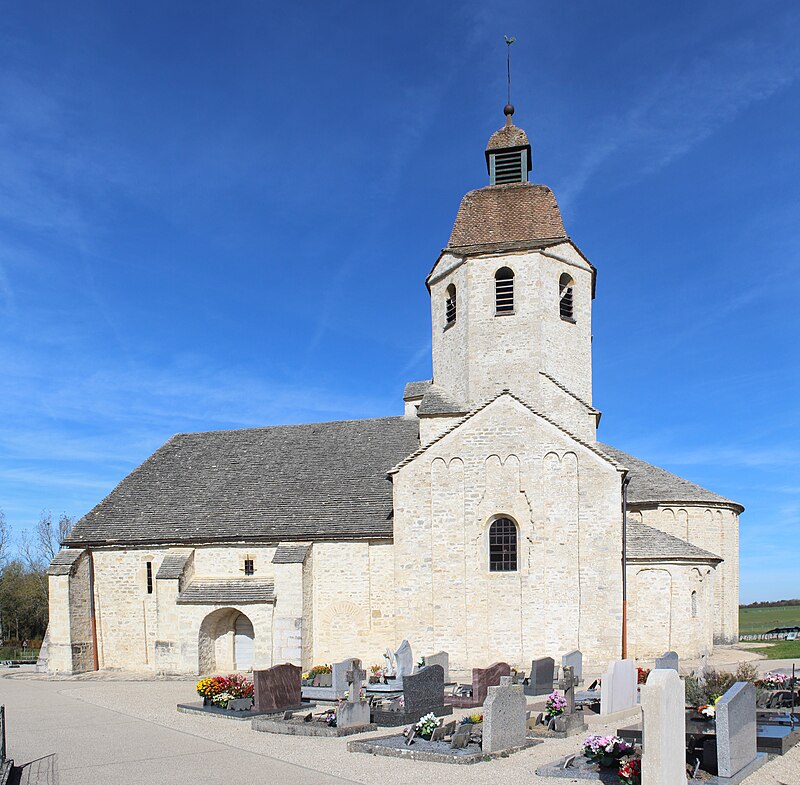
664	729
504	724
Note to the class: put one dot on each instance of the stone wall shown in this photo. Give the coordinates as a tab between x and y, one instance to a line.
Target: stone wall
483	353
663	614
565	499
714	528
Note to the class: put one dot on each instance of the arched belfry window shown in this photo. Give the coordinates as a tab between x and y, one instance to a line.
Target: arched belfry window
504	290
503	545
694	604
450	305
565	305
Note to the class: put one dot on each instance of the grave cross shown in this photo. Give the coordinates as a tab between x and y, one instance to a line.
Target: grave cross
355	678
569	689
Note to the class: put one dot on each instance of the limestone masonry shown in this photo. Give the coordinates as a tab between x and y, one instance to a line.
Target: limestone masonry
486	522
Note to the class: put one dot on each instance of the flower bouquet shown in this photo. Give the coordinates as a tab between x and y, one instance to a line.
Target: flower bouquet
706	713
606	750
555	705
426	726
630	772
472	719
641	675
774	681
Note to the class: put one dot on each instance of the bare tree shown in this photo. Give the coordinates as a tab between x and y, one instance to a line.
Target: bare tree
39	547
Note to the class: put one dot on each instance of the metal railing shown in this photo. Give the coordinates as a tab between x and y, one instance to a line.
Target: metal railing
2	734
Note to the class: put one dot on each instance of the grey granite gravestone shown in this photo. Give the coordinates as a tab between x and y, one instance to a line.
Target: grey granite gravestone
540	681
440	658
339	675
668	659
405	660
353	711
423	692
574	659
736	729
618	687
504	724
664	728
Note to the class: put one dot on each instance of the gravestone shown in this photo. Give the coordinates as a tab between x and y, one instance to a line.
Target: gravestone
668	659
483	678
460	738
736	729
541	680
423	692
339	675
574	659
504	723
404	660
618	687
440	658
664	729
277	689
353	711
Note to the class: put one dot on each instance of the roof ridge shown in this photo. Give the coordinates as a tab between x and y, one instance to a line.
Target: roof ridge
288	425
481	407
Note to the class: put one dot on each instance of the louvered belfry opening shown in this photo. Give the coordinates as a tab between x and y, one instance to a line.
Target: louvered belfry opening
504	290
508	166
450	305
503	546
565	304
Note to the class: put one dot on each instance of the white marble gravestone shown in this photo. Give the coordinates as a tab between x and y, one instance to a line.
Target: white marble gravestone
440	658
664	729
618	687
504	722
574	659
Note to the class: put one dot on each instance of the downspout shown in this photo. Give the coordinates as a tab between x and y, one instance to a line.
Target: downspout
93	622
625	482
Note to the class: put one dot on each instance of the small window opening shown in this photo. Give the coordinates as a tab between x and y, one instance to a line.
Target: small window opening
149	567
249	567
503	546
565	304
450	305
694	604
510	166
504	290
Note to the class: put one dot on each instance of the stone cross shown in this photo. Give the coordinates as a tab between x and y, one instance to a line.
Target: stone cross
664	729
355	679
569	689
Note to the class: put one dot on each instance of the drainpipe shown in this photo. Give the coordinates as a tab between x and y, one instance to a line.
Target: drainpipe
95	658
625	482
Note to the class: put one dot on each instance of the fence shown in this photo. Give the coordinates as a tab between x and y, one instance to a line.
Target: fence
2	734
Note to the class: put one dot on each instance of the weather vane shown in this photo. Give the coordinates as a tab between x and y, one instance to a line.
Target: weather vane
509	41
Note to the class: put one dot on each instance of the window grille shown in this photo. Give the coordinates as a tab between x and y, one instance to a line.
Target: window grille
504	290
149	567
508	167
503	546
249	567
565	304
450	305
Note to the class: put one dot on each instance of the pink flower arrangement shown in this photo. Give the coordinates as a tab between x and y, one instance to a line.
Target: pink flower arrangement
605	750
555	704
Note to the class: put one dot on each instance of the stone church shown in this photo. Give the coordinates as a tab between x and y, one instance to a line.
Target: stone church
487	521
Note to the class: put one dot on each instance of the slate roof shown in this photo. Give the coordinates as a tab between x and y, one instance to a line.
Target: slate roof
64	561
416	389
172	566
290	554
437	400
292	482
503	214
226	592
645	542
650	484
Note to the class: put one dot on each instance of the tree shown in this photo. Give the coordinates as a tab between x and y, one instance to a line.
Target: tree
4	538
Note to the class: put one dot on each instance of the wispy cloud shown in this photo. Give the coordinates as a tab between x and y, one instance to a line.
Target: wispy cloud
688	102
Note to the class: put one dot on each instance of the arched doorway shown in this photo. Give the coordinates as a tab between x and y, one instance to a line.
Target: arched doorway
225	642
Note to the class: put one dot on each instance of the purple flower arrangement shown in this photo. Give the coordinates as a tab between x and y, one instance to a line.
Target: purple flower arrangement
555	704
606	750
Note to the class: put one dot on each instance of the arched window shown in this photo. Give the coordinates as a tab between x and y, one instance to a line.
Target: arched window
450	306
694	604
504	291
503	546
565	284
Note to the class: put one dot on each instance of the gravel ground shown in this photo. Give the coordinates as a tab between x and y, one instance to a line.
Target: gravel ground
153	702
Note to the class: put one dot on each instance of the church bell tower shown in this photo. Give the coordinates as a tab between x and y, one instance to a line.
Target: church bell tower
511	297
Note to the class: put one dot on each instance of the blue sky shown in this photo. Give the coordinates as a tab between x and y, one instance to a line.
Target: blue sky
222	216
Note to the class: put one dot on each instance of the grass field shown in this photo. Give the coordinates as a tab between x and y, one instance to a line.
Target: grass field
782	650
755	620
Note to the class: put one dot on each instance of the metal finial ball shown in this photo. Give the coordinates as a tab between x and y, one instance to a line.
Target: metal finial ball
508	110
